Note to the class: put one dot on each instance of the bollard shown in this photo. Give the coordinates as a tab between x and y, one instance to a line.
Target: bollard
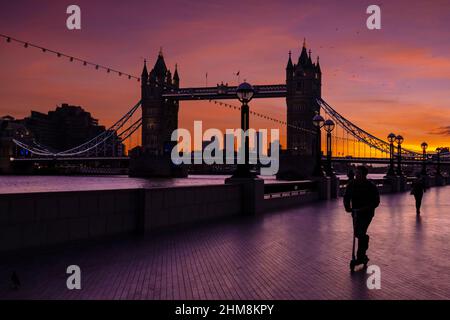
252	190
324	188
334	185
439	180
391	183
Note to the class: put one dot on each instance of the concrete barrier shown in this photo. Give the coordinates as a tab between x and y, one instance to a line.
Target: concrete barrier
172	206
39	219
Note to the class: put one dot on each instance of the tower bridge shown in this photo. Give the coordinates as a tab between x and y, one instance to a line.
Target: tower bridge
161	94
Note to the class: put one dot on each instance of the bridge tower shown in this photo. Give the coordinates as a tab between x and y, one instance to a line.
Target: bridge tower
159	116
303	84
159	120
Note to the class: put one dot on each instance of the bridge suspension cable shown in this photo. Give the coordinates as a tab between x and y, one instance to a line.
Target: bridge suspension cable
125	134
360	134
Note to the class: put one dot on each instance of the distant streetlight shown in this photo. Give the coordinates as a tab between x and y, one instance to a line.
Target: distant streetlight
329	125
245	93
438	169
391	138
318	122
399	139
424	146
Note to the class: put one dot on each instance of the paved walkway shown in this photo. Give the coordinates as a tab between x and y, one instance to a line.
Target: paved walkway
300	253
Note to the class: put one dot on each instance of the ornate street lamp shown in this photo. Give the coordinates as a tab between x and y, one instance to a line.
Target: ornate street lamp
245	93
399	139
391	138
424	146
318	122
438	169
329	125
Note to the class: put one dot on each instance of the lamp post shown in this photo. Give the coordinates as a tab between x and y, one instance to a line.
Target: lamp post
318	122
424	146
245	94
438	169
399	139
329	125
391	138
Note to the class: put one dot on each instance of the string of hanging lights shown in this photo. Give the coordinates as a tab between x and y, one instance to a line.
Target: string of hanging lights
262	116
70	58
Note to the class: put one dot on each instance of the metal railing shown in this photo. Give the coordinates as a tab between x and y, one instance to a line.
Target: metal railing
289	189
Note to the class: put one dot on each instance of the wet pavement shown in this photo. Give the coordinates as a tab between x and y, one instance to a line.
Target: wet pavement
297	253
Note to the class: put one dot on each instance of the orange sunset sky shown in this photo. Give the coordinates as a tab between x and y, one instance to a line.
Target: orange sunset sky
394	79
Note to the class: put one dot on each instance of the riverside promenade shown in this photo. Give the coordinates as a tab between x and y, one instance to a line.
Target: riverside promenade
296	253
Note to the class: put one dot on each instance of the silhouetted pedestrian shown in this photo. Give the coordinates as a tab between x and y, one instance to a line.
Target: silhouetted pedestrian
418	189
350	175
361	198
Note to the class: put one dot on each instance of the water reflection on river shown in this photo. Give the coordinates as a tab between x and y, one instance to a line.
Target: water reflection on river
24	184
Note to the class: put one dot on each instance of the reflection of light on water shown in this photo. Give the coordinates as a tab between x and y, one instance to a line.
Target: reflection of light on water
24	184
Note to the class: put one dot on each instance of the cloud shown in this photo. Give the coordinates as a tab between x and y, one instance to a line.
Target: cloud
441	131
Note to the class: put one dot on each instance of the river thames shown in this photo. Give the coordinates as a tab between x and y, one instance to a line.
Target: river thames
26	184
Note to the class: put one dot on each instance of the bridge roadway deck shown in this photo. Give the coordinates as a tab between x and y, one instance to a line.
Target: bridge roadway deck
300	253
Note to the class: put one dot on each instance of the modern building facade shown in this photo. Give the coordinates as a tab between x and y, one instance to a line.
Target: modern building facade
66	127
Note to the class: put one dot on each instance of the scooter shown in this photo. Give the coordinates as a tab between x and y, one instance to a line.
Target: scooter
354	262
